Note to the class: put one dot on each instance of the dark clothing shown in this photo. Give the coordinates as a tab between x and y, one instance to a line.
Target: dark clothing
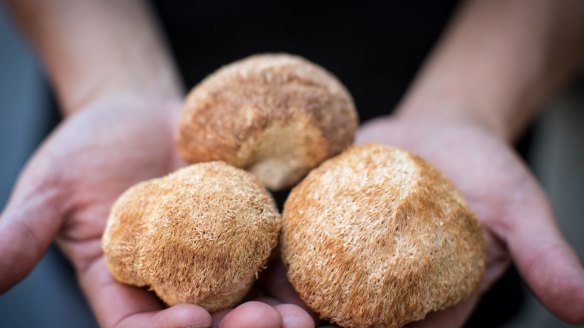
374	47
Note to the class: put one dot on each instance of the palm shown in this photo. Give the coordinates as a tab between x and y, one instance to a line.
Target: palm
108	150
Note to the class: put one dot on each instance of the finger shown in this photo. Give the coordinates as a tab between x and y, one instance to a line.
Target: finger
294	316
454	316
29	223
547	263
118	305
218	316
252	315
178	316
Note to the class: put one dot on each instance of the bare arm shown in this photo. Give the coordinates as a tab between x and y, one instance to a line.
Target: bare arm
99	49
499	61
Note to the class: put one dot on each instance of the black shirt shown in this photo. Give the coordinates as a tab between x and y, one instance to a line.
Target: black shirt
374	47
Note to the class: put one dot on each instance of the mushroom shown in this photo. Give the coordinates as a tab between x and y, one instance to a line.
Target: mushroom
199	235
377	237
275	115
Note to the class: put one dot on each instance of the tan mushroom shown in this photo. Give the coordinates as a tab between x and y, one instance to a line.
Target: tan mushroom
376	237
275	115
199	235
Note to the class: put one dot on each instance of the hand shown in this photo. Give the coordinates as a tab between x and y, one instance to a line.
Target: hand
517	220
65	192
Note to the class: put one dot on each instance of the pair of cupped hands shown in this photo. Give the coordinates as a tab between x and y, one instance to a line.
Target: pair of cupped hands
66	190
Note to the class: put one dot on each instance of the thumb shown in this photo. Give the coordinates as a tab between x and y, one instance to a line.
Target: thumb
547	263
31	220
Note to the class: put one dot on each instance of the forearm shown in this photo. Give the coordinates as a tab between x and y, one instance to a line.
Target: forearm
99	49
499	61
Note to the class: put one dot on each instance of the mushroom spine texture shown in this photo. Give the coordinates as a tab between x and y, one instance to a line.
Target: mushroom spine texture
199	235
376	237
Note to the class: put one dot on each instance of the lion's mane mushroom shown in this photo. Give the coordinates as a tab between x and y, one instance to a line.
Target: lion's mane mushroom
376	237
199	235
275	115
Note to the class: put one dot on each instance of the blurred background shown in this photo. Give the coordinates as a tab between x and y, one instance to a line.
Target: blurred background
553	147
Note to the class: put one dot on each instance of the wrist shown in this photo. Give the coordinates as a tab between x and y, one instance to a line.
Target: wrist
440	111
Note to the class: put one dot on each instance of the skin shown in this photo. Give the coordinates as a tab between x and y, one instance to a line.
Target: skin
494	67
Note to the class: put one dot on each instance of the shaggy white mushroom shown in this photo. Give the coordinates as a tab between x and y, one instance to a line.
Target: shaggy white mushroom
199	235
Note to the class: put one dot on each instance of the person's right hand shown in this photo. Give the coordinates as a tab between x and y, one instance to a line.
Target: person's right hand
65	193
